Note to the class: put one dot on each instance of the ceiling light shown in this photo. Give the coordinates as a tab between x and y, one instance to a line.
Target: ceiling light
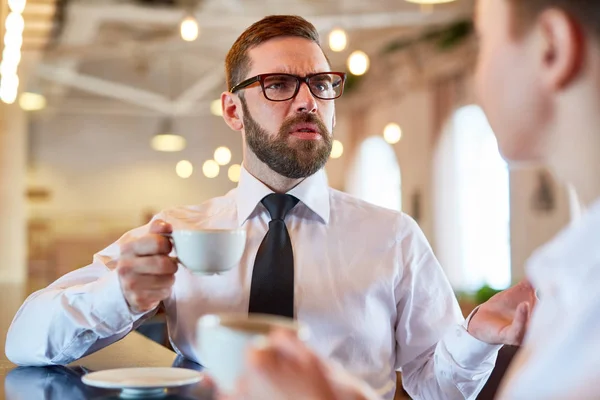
184	169
11	55
8	95
234	173
30	101
216	108
15	23
222	155
430	1
337	40
13	40
337	149
166	140
211	169
392	133
189	29
9	85
358	63
17	6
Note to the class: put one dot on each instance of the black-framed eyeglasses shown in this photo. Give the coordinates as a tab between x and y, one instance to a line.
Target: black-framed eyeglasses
283	87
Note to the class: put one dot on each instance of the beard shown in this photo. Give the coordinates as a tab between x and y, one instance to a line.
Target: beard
290	158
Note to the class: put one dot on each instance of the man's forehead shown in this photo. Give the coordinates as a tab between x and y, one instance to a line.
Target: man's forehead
300	58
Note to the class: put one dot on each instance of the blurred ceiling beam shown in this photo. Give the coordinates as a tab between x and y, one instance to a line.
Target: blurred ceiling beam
80	30
231	5
95	107
205	85
364	21
69	77
129	13
186	103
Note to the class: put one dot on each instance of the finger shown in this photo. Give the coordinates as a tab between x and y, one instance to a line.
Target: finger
143	282
525	283
147	245
147	299
159	226
276	370
519	324
294	352
148	265
209	382
264	360
291	347
527	287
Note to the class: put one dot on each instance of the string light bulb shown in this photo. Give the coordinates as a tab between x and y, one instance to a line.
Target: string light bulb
358	63
337	149
189	29
338	40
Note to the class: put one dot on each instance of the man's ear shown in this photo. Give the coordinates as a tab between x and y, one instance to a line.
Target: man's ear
562	48
232	111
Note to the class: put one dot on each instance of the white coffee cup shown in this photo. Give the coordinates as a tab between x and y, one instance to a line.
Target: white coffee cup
209	251
223	339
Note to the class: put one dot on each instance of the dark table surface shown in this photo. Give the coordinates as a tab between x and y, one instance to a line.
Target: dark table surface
64	383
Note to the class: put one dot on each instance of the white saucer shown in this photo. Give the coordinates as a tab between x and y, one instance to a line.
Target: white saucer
142	382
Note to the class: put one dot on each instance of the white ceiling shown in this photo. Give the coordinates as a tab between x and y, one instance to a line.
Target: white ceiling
132	53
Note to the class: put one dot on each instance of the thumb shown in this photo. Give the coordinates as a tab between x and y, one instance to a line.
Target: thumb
519	324
160	226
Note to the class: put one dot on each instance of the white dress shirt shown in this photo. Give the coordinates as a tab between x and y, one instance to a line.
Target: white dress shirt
366	283
561	355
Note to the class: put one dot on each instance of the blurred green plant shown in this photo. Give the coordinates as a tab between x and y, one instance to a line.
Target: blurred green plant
352	82
484	294
445	38
477	297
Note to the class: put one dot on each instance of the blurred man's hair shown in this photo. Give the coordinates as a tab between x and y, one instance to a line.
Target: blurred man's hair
587	12
237	62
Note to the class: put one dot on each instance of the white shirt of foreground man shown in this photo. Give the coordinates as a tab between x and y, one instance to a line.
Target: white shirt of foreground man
367	285
566	271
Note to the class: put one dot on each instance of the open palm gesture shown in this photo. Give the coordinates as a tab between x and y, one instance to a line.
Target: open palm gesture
504	318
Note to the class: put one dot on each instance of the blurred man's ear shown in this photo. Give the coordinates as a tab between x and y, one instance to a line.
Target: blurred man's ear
562	48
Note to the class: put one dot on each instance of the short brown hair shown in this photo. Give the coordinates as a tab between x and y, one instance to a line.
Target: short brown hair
587	12
237	62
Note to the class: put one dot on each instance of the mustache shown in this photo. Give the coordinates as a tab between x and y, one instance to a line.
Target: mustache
304	118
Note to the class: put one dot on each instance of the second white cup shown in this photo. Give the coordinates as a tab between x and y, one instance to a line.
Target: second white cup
223	339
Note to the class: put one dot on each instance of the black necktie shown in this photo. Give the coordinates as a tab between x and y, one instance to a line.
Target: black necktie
272	290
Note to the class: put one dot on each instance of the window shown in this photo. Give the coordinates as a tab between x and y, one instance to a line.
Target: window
472	204
375	176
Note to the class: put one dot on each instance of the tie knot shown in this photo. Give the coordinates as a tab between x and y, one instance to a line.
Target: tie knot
278	204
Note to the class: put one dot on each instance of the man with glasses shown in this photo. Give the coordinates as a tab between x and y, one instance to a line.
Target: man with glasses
363	278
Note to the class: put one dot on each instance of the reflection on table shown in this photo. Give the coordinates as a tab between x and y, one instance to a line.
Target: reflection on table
64	383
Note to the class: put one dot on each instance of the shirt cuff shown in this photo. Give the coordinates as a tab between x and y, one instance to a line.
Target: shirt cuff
465	349
109	304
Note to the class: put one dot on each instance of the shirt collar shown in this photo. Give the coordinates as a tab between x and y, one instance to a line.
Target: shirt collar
312	192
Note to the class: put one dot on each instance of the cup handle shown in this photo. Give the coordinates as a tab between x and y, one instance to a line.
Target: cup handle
170	237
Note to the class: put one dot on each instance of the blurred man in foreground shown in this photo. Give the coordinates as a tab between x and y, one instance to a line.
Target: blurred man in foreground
539	82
